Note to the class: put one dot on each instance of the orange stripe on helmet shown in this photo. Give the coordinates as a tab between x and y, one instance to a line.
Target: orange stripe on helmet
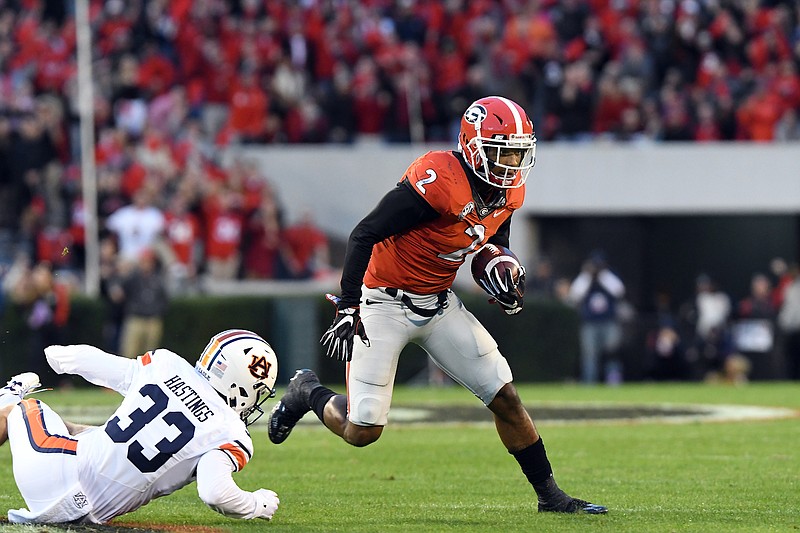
41	440
146	359
210	350
218	340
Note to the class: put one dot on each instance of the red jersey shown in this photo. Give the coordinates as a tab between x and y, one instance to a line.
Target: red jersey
224	235
183	232
425	259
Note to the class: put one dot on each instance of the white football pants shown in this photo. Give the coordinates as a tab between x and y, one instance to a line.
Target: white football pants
455	340
45	465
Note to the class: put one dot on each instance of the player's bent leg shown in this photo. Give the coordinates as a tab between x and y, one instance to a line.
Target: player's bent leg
331	409
518	433
45	465
305	393
335	419
467	352
360	436
334	414
514	426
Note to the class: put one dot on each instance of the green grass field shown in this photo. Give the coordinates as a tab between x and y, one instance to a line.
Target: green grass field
654	476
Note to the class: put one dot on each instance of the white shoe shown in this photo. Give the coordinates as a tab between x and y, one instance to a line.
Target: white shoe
21	384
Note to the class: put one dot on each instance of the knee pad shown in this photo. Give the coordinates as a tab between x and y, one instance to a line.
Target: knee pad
368	411
504	371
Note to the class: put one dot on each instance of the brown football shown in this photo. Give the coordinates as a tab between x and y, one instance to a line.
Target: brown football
494	258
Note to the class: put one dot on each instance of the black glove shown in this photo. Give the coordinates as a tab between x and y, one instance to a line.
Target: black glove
507	292
338	339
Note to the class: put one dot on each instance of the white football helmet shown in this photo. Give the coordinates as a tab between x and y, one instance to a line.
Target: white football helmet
242	368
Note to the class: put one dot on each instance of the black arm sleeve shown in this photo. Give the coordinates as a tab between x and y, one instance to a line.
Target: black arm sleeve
399	210
501	237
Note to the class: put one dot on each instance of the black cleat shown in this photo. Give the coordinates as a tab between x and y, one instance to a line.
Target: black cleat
554	500
292	406
572	505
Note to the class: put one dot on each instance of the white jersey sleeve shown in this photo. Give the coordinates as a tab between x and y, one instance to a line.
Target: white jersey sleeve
219	491
94	365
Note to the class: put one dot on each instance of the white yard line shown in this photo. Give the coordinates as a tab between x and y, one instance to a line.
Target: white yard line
573	413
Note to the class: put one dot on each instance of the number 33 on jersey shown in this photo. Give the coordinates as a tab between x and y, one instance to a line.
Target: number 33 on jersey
425	259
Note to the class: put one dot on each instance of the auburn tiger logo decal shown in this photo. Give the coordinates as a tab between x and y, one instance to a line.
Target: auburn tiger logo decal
259	367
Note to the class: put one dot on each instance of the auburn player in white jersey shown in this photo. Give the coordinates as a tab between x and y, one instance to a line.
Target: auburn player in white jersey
401	260
175	424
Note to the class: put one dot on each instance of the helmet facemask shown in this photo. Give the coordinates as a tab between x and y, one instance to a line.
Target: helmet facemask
262	395
486	153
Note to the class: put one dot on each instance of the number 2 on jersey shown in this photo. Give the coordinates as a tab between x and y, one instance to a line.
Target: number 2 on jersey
139	419
477	232
430	179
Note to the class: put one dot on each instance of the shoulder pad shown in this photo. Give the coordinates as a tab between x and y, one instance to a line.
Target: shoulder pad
439	179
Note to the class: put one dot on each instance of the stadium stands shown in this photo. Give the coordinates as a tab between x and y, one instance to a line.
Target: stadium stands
178	82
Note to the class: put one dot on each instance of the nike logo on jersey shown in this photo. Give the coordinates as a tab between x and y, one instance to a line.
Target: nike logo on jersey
497	213
371	302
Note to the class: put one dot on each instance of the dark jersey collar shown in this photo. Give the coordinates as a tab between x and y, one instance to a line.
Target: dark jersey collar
498	195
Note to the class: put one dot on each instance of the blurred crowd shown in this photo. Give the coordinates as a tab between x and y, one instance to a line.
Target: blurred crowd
711	336
179	83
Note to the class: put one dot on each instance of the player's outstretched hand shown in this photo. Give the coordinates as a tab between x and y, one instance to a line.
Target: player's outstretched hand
338	339
266	504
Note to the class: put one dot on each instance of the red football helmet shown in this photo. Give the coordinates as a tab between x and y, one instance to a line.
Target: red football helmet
495	126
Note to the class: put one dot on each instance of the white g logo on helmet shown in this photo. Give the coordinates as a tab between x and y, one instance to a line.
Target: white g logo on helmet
475	114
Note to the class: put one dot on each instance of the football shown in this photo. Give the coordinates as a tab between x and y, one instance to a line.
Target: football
491	265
